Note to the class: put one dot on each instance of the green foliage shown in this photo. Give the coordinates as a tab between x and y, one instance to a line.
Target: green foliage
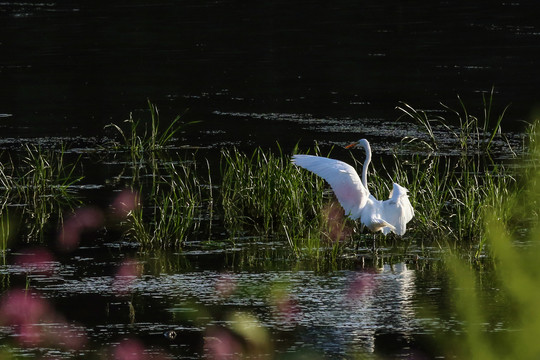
170	208
170	190
517	274
143	138
266	193
452	194
42	182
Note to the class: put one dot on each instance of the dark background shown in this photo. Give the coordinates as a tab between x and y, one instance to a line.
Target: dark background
68	68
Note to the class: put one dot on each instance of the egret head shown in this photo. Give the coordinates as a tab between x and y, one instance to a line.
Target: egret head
362	142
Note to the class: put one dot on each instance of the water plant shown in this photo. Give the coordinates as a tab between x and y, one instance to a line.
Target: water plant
264	192
452	194
516	279
169	208
42	182
142	138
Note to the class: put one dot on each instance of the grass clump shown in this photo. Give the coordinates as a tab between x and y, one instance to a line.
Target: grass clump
142	138
452	194
170	209
41	184
266	193
170	190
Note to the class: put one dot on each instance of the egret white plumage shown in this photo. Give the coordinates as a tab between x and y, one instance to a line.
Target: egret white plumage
391	215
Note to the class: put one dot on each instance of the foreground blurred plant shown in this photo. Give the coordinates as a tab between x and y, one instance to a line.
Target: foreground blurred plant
517	278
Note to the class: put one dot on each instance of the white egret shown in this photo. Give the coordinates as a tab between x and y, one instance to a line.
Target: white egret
387	216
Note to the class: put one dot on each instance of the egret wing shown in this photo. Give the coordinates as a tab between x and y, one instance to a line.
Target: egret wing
397	210
343	179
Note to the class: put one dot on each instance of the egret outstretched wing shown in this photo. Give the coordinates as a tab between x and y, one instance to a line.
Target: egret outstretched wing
397	210
343	179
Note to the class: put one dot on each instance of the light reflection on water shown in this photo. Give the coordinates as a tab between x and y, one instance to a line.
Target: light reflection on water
333	313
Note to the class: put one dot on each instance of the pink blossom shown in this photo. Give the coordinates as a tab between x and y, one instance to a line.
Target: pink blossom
226	285
124	203
36	260
361	285
30	316
19	307
336	226
129	350
220	344
126	274
83	219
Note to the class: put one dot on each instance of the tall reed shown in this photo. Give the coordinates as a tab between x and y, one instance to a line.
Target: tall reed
266	193
452	194
42	182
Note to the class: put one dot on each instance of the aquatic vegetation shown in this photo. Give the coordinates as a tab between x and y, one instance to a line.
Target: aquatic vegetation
6	231
266	193
42	182
168	209
517	280
452	194
142	138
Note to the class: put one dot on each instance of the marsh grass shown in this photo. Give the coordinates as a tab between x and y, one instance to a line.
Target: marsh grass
6	230
169	208
172	193
40	182
265	193
452	195
517	282
143	137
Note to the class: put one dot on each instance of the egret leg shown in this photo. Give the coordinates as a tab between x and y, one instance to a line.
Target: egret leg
374	248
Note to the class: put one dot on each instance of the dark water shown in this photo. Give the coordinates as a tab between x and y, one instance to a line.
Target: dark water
70	67
373	307
253	73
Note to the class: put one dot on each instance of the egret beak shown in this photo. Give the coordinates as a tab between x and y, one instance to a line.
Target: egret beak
351	145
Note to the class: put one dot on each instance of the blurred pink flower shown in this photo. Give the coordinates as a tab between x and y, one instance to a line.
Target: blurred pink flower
285	308
31	317
226	285
20	307
362	285
131	349
37	260
126	274
337	228
124	203
220	344
83	219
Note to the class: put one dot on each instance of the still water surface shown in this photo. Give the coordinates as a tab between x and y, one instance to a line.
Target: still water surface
69	68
